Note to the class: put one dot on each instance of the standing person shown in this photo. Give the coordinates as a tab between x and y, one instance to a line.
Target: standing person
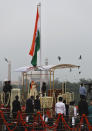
90	113
30	107
82	91
7	91
83	109
43	89
16	106
9	86
5	87
37	103
60	108
72	113
67	110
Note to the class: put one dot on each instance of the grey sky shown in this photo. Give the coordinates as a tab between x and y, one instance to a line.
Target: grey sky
66	31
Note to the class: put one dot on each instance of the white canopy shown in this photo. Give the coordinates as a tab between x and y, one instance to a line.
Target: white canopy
44	68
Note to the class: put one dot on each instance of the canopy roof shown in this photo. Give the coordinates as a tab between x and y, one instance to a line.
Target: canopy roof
45	68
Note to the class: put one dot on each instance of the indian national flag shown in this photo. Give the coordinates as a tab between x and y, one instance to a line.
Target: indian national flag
36	39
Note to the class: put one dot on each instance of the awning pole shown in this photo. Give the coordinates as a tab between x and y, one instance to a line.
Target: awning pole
23	78
50	83
53	83
26	81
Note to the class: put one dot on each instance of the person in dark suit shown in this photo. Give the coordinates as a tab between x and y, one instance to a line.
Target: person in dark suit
9	86
30	105
83	109
30	108
16	106
67	110
37	103
43	89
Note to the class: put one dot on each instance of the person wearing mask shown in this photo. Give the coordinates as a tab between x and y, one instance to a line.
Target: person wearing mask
16	106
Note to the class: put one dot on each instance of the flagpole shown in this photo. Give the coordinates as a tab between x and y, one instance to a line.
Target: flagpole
39	6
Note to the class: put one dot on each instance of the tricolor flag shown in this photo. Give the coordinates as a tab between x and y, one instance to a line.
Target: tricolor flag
36	40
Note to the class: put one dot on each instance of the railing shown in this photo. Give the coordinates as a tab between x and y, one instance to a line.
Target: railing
35	122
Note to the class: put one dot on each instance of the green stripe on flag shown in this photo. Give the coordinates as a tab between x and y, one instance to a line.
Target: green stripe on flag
37	47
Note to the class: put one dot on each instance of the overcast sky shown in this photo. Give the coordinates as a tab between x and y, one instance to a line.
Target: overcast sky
66	31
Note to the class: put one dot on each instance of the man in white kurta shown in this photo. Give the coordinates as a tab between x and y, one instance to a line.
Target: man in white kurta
33	90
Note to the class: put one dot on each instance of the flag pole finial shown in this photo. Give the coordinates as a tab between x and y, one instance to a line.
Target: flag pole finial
39	4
